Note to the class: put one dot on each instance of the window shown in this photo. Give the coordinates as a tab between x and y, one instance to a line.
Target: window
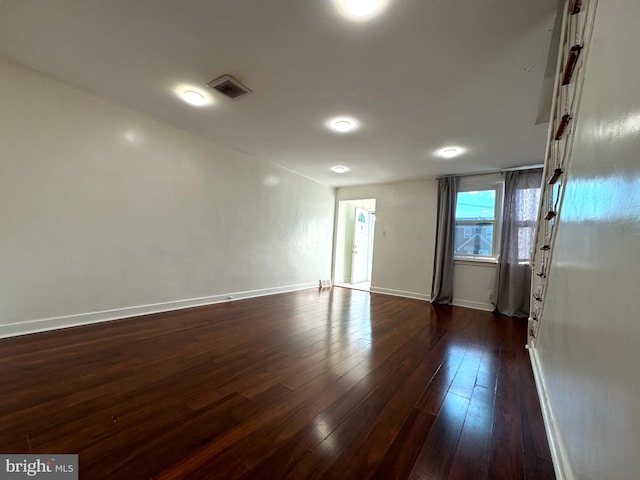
526	213
478	214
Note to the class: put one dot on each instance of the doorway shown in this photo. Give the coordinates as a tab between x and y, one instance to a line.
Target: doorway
353	263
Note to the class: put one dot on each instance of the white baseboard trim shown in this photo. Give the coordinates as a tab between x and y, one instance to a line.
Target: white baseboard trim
66	321
487	307
559	456
401	293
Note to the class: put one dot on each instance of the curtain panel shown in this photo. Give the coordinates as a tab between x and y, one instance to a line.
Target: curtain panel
442	283
513	283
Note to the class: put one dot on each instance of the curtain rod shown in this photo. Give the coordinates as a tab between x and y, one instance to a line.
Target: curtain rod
488	172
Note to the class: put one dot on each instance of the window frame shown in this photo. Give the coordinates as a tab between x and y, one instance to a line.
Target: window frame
477	185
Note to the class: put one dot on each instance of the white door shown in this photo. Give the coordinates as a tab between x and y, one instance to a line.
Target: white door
360	252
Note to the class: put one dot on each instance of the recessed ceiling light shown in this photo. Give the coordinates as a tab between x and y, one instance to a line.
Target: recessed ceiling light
340	169
449	152
342	124
194	98
361	9
193	95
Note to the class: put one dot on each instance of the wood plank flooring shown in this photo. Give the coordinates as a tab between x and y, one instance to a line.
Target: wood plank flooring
338	384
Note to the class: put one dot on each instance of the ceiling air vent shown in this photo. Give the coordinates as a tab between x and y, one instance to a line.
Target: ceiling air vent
229	86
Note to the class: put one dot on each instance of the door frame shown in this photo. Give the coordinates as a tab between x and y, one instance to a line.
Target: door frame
339	270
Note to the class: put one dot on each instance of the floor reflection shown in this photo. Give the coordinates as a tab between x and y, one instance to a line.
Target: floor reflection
347	330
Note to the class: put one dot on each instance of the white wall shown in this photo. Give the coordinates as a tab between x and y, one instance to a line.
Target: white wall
473	283
342	262
104	208
587	346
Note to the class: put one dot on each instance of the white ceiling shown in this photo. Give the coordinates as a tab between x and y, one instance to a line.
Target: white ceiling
423	75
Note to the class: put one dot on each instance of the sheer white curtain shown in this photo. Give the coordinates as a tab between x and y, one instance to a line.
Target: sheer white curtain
513	285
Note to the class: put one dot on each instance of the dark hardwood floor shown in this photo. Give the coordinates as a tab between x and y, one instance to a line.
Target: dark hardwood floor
312	384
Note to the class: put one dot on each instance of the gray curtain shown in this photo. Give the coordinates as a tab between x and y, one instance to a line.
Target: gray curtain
513	284
442	284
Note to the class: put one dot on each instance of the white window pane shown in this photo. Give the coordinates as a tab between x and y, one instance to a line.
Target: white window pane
525	242
527	204
477	205
479	242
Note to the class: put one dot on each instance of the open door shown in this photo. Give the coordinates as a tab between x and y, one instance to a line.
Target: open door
353	255
360	252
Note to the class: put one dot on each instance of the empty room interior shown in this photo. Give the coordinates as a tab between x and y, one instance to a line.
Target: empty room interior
348	239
